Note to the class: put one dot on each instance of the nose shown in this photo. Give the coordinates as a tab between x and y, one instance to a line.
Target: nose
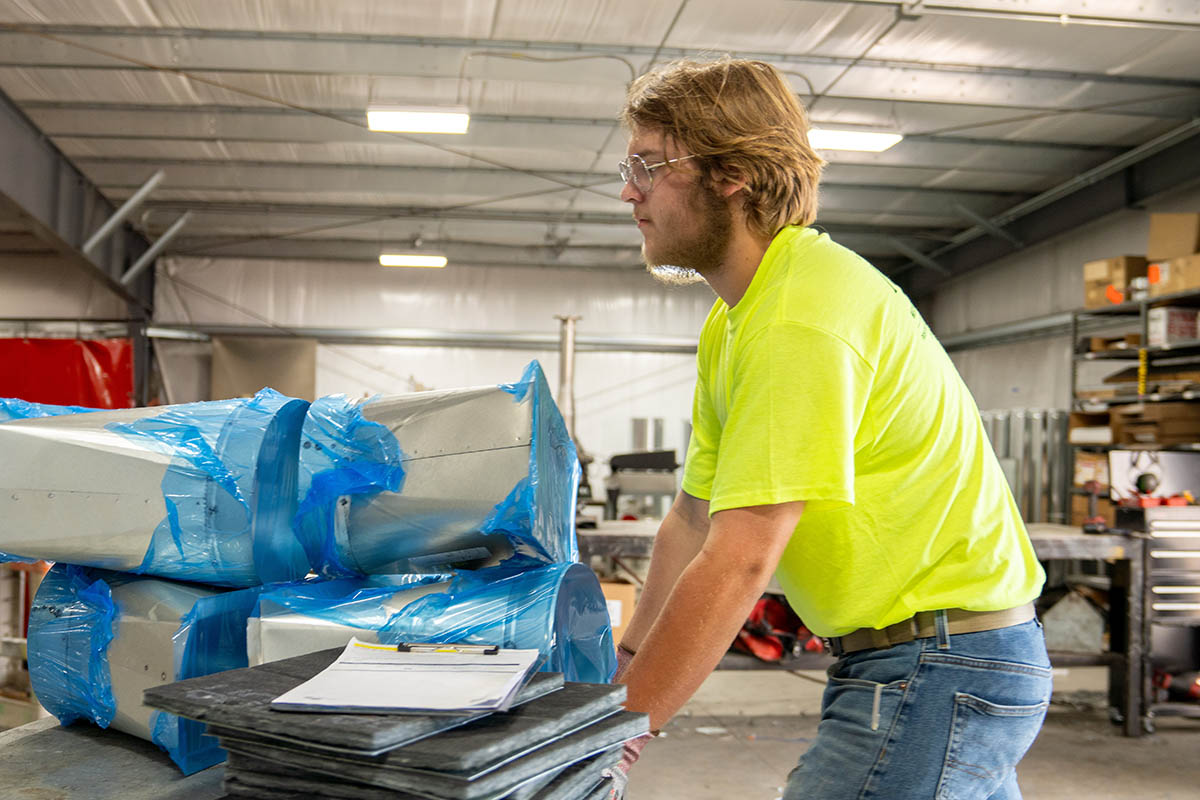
631	194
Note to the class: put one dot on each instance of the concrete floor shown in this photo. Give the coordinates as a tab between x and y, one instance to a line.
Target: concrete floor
743	731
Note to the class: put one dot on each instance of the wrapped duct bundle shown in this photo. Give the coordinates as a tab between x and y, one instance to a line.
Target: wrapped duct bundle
97	639
557	609
200	492
15	408
433	480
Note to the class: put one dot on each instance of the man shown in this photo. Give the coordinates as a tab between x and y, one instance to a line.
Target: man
835	446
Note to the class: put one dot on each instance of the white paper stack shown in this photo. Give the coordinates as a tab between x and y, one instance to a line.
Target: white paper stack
378	678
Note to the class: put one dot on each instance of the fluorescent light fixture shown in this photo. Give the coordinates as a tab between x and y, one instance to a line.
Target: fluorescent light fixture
412	119
865	141
1175	553
412	260
1175	606
1176	589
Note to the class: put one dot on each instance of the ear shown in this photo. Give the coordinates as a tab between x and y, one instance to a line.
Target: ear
730	188
730	183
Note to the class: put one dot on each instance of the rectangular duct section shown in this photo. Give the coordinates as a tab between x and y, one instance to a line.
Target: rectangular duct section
1031	444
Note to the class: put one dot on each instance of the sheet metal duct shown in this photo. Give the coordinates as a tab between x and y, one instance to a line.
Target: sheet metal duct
201	491
428	481
558	609
98	639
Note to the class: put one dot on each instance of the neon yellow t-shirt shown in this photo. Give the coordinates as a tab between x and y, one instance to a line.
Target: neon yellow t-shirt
824	384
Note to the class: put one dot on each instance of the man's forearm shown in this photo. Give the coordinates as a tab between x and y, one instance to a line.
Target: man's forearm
707	607
679	539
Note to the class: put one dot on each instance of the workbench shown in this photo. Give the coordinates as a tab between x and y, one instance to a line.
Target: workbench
45	761
1128	657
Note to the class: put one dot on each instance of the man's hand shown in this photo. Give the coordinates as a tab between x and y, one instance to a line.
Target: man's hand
632	750
620	773
624	659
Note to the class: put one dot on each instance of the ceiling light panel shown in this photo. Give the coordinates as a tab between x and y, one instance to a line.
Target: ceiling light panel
402	119
863	141
427	260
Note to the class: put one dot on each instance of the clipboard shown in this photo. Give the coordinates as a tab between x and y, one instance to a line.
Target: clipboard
414	678
457	647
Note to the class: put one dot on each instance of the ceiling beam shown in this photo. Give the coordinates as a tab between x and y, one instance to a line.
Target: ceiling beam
1062	13
1168	163
117	175
358	211
55	203
516	119
357	52
429	337
459	254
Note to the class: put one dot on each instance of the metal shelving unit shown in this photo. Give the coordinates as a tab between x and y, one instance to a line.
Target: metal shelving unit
1180	352
1172	585
1171	531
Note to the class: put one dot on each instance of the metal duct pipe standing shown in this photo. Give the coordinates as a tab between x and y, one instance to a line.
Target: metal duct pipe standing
566	396
566	373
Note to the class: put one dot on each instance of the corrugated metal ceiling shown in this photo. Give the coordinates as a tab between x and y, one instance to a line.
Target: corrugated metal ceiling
255	110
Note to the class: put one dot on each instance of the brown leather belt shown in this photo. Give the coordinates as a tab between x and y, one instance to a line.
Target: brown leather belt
923	625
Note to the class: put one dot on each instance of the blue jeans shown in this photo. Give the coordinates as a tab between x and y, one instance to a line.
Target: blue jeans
921	722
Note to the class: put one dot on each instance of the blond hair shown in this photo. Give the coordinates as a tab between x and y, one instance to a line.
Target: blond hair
743	120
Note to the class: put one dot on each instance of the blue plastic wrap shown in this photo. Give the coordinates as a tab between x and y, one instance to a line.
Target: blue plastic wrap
558	610
230	490
75	641
70	628
539	515
14	408
211	638
341	455
348	461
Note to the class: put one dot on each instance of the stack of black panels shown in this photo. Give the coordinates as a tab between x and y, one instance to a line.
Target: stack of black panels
554	744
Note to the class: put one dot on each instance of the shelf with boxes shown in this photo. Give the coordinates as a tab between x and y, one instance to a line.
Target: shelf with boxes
1154	358
1135	376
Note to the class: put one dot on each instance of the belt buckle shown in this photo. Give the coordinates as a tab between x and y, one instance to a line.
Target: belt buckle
833	646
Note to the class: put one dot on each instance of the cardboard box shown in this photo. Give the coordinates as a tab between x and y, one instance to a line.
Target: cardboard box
1100	344
1170	324
1091	467
1079	509
1105	282
621	598
1174	275
1173	235
1156	423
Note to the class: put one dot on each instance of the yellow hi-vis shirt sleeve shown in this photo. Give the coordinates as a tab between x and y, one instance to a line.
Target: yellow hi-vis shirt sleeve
794	399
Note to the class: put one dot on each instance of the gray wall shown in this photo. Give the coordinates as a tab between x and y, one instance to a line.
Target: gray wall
1042	280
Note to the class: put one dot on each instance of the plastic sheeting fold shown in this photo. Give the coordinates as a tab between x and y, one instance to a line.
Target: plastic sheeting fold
557	609
432	480
15	408
97	639
202	491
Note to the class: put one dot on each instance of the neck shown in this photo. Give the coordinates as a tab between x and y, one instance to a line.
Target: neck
746	250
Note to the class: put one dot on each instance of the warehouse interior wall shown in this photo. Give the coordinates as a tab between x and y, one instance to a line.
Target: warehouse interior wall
44	288
612	387
1042	280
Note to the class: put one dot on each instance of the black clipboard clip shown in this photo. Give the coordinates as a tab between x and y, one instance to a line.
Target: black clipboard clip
452	647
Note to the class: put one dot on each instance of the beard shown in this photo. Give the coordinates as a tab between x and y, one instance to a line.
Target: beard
690	259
